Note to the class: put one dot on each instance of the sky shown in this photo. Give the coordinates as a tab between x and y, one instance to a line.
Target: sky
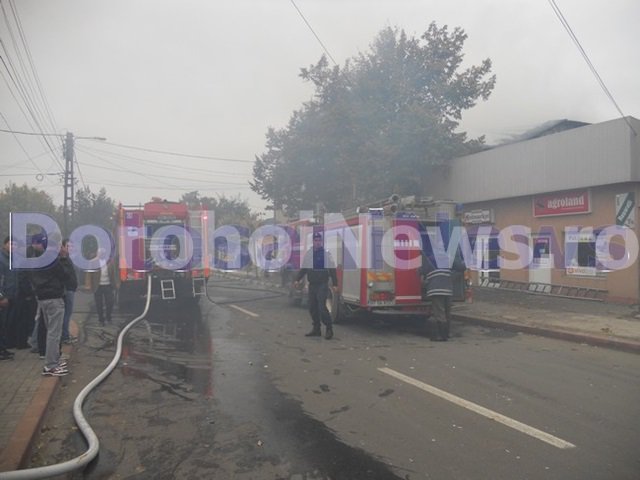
207	78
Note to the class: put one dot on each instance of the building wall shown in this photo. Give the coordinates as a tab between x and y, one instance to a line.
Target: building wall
600	154
622	285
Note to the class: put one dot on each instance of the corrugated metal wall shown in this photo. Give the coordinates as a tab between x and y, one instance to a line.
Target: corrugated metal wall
599	154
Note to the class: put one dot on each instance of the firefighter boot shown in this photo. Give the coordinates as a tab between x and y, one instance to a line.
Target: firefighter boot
433	331
329	333
443	331
315	332
438	332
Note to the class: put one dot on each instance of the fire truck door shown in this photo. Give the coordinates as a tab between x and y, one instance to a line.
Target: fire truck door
407	253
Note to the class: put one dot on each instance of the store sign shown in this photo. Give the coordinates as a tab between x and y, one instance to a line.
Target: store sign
562	203
582	271
478	216
625	210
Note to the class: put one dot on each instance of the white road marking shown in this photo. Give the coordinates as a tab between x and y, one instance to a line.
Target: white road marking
474	407
244	311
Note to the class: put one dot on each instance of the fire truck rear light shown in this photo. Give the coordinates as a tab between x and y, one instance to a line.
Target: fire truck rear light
379	276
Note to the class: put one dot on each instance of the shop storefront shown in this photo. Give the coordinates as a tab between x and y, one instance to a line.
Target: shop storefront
555	210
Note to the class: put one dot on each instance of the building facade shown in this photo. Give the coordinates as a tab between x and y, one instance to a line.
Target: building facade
559	209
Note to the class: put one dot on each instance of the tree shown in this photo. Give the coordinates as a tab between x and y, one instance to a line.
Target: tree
93	209
23	198
228	210
384	122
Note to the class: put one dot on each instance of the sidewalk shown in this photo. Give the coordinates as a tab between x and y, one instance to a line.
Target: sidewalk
26	394
24	399
584	321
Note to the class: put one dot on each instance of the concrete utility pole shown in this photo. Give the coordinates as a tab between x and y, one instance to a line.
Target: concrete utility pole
69	185
69	182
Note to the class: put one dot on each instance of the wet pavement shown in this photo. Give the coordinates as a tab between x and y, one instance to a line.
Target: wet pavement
165	412
177	387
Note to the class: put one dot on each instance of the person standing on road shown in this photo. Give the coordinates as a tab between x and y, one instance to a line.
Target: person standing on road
70	288
318	266
436	279
102	283
48	284
4	353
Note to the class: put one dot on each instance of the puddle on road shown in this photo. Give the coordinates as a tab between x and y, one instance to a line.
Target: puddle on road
170	350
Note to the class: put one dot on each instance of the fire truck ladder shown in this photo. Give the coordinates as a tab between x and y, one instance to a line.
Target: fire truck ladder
554	290
168	289
198	284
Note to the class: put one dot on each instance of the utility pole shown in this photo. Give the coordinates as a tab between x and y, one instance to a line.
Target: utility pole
69	182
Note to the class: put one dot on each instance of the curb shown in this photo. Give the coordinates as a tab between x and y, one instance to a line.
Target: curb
612	343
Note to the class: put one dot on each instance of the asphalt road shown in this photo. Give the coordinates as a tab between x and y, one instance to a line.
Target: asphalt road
233	389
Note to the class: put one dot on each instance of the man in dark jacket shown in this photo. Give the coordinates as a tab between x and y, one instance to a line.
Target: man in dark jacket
318	266
70	287
439	290
8	288
49	286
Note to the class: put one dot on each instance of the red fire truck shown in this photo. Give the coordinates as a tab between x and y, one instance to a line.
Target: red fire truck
379	272
167	241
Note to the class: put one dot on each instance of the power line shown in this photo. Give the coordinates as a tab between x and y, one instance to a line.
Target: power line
150	176
19	143
120	156
26	101
23	37
23	79
573	36
314	33
178	154
37	134
24	95
174	188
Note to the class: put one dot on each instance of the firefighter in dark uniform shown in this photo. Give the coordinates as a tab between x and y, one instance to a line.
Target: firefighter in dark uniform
318	266
439	290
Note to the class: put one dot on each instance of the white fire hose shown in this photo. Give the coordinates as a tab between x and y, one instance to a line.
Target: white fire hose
93	443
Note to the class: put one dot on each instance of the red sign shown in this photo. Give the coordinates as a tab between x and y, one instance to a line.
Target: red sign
562	203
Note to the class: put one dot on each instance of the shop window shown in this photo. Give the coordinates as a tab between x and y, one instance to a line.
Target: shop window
580	253
486	253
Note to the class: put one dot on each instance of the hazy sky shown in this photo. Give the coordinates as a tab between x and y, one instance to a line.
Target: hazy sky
208	77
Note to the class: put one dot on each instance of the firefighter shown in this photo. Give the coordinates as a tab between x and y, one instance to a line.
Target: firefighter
318	266
436	280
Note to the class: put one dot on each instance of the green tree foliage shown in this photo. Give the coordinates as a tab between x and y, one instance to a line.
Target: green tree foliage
228	210
384	122
93	209
23	198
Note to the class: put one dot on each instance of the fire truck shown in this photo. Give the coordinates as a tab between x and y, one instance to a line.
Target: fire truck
378	255
164	240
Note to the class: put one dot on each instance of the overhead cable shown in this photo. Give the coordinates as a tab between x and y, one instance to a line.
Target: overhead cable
205	157
573	37
314	32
